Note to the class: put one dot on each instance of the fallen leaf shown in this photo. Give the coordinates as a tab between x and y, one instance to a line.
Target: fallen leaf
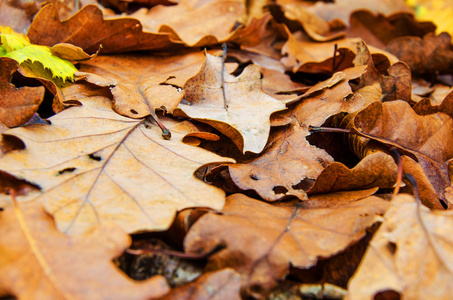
430	55
37	58
410	254
141	84
315	27
215	20
114	169
395	123
378	30
236	106
262	240
56	266
17	105
218	285
117	35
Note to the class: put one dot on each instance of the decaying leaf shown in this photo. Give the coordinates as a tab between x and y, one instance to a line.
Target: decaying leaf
263	239
17	105
105	167
410	254
56	266
236	106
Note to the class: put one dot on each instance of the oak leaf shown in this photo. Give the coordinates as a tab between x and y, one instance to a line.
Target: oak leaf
430	55
17	105
262	240
236	106
215	19
39	262
141	84
378	30
396	123
116	35
410	254
106	167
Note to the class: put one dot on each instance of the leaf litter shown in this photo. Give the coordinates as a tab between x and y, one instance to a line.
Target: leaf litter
305	173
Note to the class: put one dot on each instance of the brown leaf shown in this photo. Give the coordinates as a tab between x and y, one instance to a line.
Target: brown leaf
396	85
38	262
395	123
262	239
410	254
106	167
378	30
432	54
141	84
117	35
17	14
375	170
218	285
290	164
17	105
315	27
210	21
236	106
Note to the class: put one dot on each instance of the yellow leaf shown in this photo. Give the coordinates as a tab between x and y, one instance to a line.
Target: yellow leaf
35	57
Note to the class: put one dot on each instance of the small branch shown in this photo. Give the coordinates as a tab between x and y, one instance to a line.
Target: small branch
224	54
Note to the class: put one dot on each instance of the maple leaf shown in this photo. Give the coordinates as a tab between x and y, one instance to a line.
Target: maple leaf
263	239
106	167
236	106
409	254
37	261
17	105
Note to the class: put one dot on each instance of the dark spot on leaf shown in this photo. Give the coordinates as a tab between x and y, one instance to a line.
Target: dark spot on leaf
280	189
391	247
67	170
134	111
95	157
10	143
254	177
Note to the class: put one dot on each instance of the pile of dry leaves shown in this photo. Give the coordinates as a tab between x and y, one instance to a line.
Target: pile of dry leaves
227	149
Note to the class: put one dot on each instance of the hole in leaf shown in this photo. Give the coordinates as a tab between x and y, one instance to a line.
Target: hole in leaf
254	177
305	184
387	295
95	157
67	170
280	189
391	247
443	203
134	111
